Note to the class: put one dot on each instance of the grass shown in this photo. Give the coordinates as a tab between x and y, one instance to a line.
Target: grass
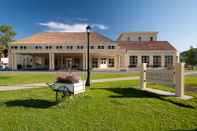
191	81
110	106
11	78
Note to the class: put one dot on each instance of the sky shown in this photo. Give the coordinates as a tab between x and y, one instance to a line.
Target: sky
175	20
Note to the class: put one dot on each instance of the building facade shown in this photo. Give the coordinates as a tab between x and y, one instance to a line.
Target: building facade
68	51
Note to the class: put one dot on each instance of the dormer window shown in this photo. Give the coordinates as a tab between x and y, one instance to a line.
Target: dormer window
139	38
151	38
101	47
69	47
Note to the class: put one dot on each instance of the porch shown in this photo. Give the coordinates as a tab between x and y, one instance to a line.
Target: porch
63	61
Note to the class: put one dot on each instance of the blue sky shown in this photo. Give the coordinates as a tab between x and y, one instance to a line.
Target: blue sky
175	20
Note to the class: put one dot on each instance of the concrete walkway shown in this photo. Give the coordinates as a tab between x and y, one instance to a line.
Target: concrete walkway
39	85
166	93
191	73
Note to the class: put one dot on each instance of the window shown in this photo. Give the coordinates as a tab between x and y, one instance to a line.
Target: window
100	47
48	47
69	47
111	62
156	61
145	59
76	63
133	61
91	47
94	62
128	39
22	47
103	61
140	38
16	47
111	47
151	38
168	61
58	47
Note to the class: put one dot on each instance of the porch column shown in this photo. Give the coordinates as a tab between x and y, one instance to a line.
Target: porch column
51	61
150	60
126	61
118	62
14	62
62	61
10	60
33	61
162	60
84	61
139	60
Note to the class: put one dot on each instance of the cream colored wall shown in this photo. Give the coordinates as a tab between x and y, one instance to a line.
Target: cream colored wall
151	54
120	56
31	50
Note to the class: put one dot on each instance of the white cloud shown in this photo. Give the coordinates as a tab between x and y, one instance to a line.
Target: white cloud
99	26
63	27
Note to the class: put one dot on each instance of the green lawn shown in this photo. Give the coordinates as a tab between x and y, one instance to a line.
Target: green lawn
10	78
112	106
191	81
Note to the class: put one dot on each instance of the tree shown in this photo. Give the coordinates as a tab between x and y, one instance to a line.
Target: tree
191	57
6	35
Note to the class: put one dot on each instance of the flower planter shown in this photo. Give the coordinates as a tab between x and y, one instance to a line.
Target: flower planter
75	88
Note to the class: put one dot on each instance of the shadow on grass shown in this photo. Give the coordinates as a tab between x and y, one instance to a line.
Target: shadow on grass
30	103
131	92
185	130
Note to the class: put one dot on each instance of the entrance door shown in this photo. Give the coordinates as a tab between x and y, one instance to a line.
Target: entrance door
103	63
68	63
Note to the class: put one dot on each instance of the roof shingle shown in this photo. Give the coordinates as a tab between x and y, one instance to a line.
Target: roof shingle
63	37
146	45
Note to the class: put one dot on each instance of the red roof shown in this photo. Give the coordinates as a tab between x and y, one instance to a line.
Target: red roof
63	37
146	45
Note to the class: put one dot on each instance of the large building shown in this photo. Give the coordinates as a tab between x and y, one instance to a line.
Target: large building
68	50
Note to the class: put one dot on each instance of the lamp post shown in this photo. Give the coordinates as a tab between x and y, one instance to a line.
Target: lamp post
88	28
